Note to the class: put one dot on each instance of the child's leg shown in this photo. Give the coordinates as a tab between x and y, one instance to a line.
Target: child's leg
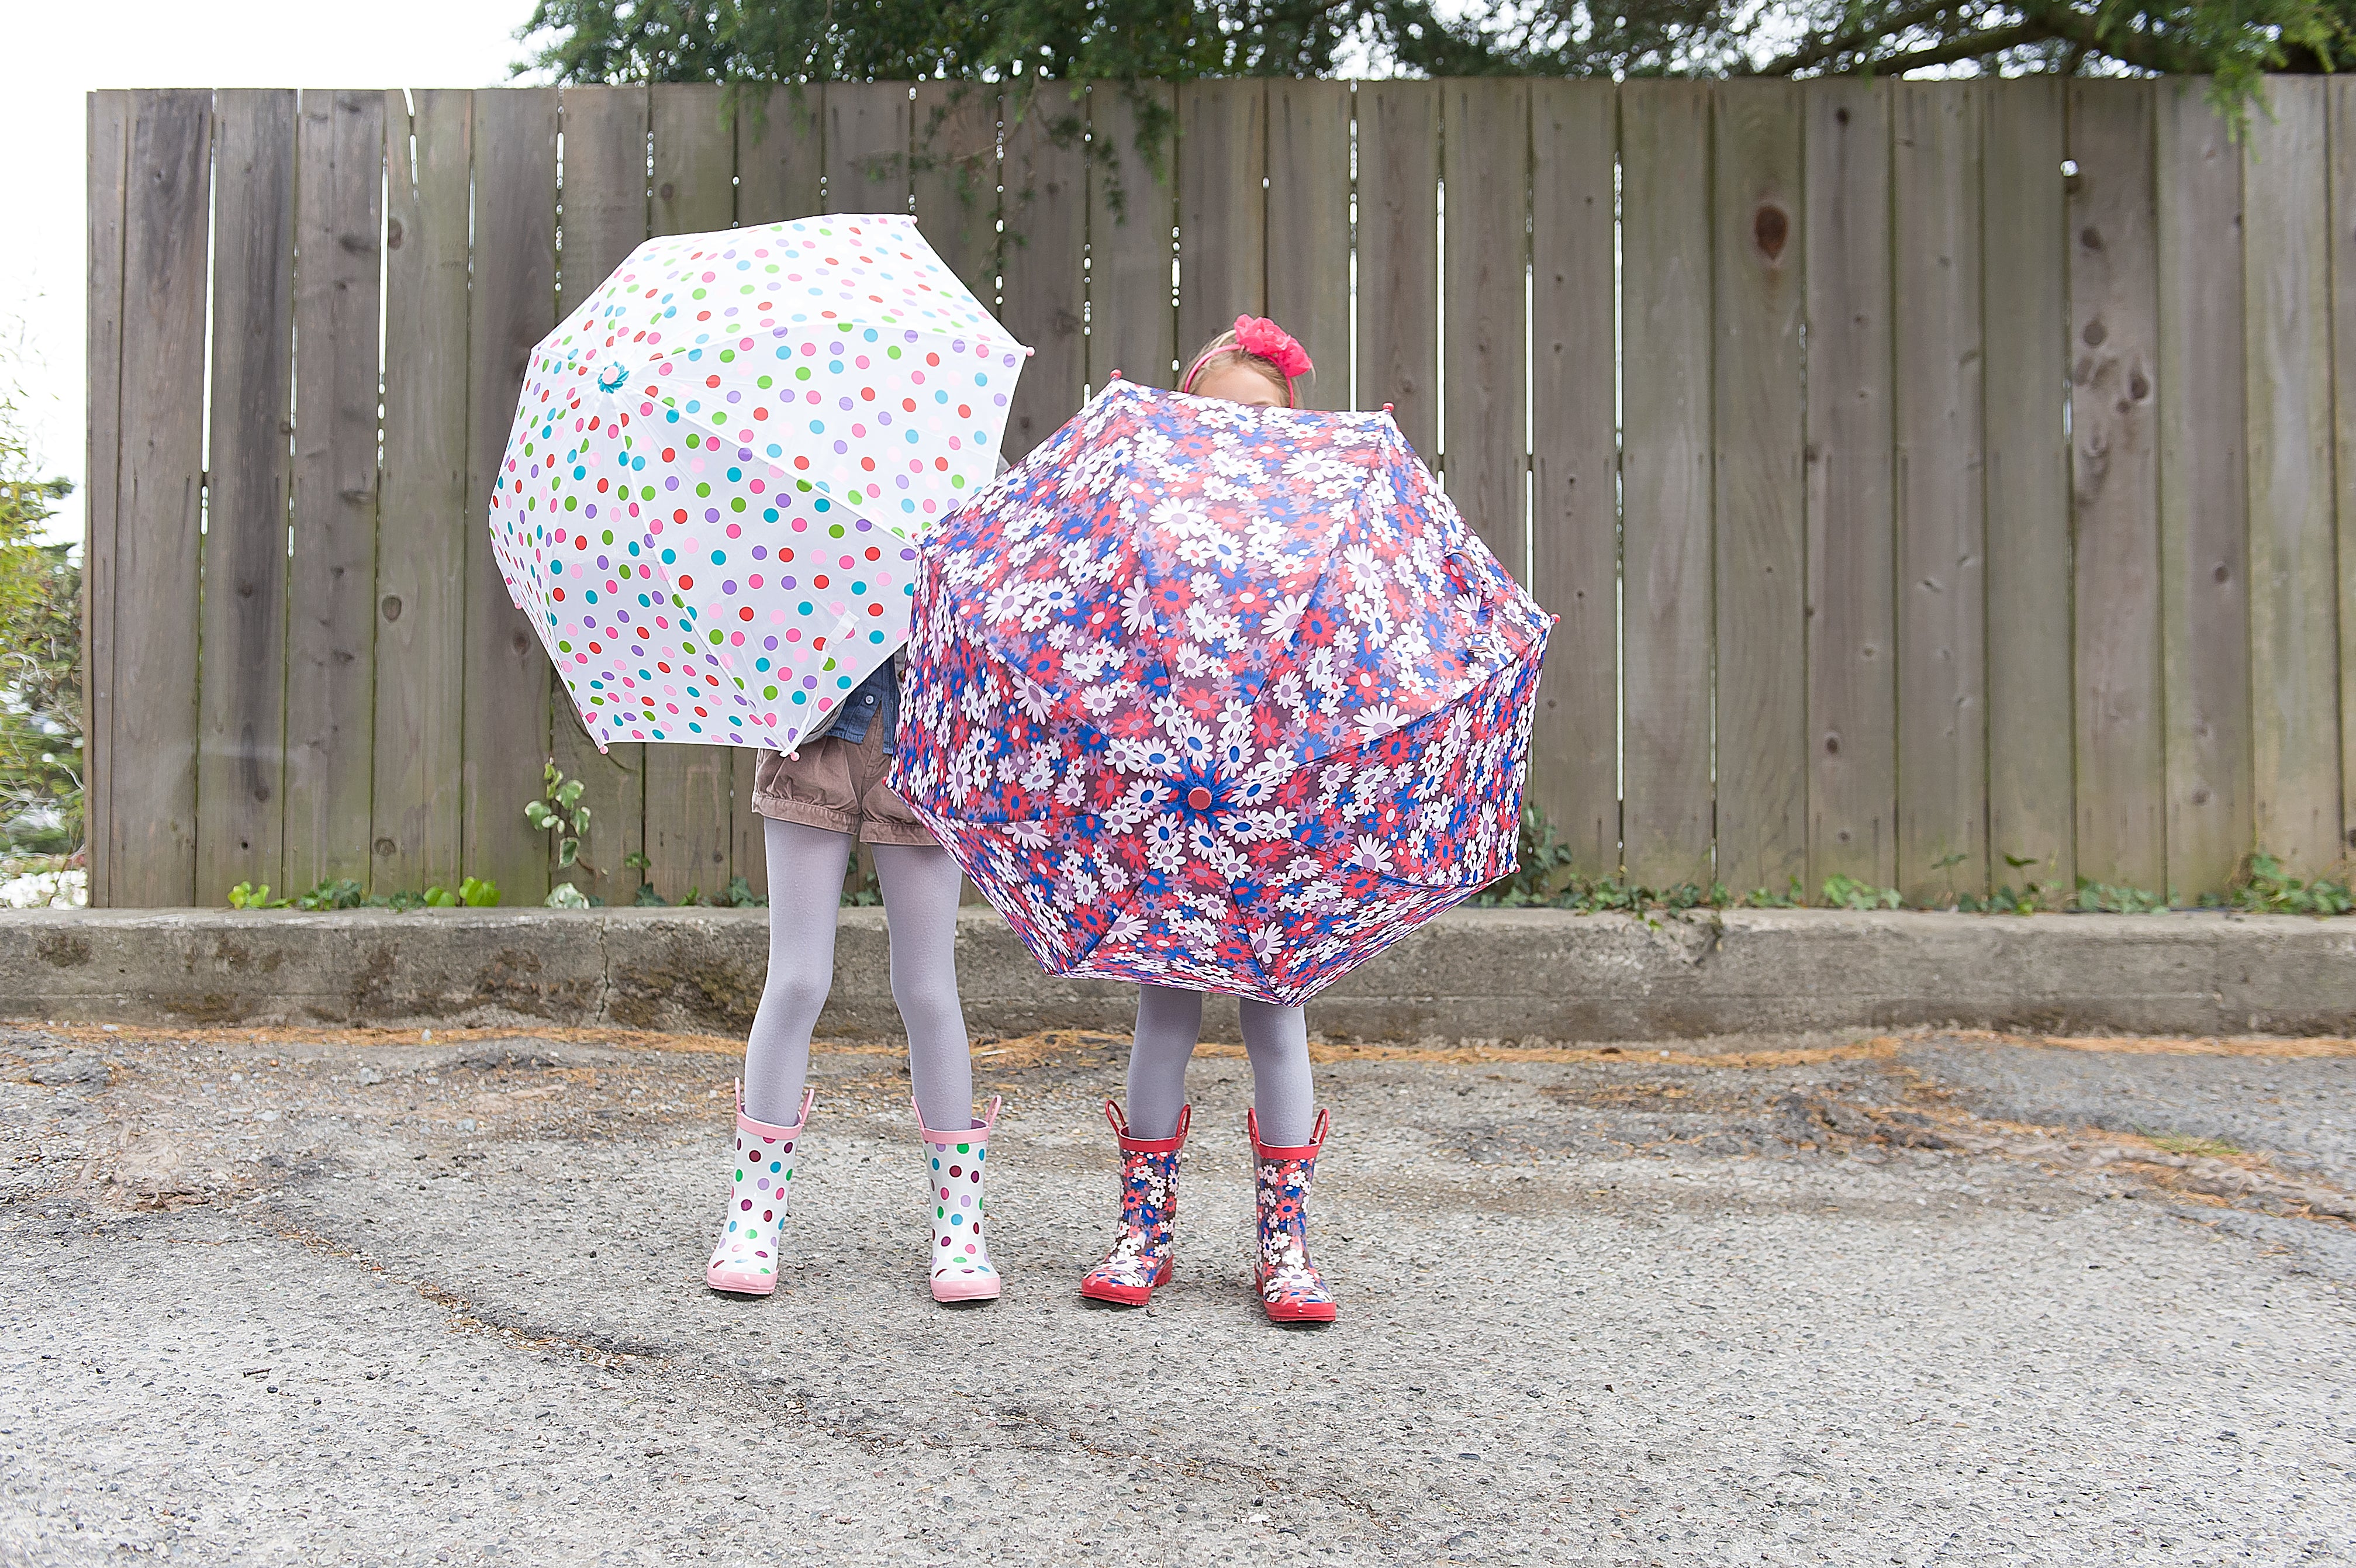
1277	1040
806	866
1169	1022
920	903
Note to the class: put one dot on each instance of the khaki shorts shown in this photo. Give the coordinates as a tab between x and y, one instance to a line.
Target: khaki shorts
839	785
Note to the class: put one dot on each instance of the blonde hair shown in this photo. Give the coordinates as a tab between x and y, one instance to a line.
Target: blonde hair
1222	351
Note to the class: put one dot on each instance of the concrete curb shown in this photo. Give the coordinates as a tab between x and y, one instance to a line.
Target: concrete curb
1526	976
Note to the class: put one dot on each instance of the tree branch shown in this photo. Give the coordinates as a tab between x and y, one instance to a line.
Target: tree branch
2123	44
1971	46
2040	20
1820	50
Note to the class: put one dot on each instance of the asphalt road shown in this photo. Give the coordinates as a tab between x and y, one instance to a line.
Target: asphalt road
286	1298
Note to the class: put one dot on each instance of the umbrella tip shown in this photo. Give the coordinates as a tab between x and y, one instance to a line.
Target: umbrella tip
1386	408
1115	375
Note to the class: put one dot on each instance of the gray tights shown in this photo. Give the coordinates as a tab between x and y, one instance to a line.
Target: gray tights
1170	1022
920	904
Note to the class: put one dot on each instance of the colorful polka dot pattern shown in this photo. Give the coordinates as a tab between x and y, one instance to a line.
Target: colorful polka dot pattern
744	1259
961	1266
722	465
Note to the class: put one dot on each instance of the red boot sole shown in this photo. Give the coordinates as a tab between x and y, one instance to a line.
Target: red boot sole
1126	1296
1309	1312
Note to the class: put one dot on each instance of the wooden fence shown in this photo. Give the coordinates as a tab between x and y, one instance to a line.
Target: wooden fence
1974	499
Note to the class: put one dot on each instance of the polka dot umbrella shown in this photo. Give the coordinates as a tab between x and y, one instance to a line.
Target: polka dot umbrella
723	461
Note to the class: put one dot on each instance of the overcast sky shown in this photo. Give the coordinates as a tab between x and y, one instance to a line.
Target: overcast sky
64	51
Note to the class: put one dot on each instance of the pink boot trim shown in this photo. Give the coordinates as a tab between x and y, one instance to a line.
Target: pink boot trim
744	1260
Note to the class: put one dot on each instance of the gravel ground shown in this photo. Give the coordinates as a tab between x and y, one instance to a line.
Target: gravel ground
381	1299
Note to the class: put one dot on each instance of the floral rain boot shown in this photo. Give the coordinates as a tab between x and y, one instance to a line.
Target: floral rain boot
961	1266
745	1261
1141	1251
1290	1288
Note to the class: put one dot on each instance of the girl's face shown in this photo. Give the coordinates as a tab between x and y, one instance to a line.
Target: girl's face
1239	382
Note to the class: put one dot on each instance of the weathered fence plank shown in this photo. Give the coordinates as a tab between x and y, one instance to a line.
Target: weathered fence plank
331	621
1941	514
1574	465
689	789
1222	207
108	147
779	161
1046	303
1398	256
1132	226
1484	153
2294	611
1759	390
1309	229
1852	640
955	162
1665	485
2341	99
2204	536
2031	818
867	146
149	657
608	206
2114	332
241	696
423	525
692	167
513	307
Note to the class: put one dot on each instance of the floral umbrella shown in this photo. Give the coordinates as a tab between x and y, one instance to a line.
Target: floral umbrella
1218	696
721	465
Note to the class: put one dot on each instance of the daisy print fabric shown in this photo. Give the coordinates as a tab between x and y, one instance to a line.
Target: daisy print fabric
721	464
1225	697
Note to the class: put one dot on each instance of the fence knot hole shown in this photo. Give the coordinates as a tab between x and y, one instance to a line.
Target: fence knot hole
1771	226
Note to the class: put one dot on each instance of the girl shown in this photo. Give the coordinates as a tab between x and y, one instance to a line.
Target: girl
1257	363
816	799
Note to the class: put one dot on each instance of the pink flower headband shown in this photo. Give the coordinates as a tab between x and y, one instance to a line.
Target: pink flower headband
1262	339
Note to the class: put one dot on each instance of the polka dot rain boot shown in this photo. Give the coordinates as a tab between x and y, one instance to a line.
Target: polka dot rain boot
1142	1252
1289	1286
961	1267
745	1261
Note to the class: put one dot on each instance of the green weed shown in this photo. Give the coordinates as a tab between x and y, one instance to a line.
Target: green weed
2265	888
246	896
2103	898
1848	892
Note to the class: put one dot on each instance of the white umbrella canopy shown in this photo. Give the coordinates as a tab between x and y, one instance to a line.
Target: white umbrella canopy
721	464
